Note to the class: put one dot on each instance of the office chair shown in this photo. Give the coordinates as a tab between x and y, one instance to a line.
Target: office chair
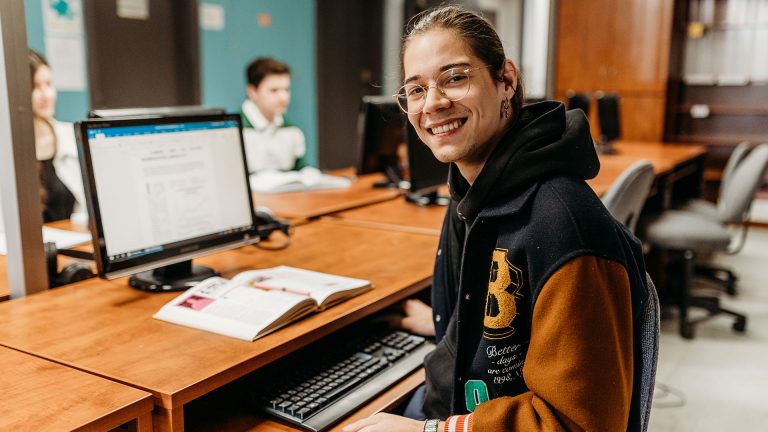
608	114
626	196
578	100
713	211
688	234
647	335
708	208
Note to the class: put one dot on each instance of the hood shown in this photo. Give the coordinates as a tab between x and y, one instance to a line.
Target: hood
544	142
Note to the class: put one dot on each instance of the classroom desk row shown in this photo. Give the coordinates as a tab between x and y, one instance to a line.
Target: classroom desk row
105	329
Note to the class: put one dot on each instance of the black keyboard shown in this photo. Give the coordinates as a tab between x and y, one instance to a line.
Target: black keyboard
317	386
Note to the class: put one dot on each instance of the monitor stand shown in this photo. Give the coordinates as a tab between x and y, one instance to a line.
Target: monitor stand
428	198
394	179
174	277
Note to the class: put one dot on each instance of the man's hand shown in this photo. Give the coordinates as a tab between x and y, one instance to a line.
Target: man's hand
382	422
418	318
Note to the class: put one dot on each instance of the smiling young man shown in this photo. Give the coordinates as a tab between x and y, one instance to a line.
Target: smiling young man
272	142
536	287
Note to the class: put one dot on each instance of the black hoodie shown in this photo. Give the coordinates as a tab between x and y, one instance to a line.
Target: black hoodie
530	224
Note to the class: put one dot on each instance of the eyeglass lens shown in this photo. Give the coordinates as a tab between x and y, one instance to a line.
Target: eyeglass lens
452	84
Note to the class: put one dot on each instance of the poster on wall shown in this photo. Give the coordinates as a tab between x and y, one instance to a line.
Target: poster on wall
64	43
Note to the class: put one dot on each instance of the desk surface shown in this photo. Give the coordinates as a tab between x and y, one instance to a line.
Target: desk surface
42	395
106	328
396	214
401	215
665	158
315	203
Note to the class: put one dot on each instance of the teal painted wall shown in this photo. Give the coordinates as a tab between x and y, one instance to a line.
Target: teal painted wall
289	38
70	105
224	55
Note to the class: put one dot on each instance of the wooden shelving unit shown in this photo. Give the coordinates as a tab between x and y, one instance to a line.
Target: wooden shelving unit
707	38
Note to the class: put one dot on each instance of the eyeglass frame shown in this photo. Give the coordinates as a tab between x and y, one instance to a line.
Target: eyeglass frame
438	88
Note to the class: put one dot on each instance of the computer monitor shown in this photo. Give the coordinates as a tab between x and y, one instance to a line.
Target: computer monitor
427	173
161	191
608	113
381	140
179	110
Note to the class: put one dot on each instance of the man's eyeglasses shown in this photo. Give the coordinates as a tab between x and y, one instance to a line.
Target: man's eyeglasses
452	84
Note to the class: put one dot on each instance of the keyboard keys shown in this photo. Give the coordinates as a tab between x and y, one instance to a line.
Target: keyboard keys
313	383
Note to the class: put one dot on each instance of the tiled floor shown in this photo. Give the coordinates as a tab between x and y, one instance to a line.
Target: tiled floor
719	380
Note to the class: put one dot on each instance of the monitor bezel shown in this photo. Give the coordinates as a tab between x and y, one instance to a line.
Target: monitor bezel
172	253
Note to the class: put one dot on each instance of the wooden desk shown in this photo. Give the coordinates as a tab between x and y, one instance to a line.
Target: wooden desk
671	162
41	395
312	204
678	168
106	328
396	214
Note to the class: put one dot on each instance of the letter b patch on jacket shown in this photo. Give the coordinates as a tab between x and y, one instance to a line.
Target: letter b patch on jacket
504	284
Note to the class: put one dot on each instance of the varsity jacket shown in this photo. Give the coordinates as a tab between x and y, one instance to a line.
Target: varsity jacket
535	290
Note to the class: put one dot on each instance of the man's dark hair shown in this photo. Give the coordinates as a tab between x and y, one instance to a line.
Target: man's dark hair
474	30
261	67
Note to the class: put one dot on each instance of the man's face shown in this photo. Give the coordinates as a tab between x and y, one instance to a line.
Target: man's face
272	96
468	128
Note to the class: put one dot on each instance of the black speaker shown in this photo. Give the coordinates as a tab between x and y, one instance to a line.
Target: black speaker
578	100
609	115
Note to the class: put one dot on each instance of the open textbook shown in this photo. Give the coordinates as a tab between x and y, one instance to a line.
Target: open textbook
256	302
307	178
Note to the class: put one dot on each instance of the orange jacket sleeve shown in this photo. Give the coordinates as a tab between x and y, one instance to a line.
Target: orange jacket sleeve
579	363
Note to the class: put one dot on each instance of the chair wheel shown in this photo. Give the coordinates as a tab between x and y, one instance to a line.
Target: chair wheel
686	331
730	287
740	325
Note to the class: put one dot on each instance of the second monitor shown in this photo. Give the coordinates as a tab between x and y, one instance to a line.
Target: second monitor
427	174
381	141
389	144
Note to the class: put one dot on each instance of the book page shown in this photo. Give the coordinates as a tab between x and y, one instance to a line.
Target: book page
232	309
319	286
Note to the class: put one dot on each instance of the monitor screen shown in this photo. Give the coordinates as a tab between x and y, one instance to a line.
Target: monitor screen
427	173
161	191
381	139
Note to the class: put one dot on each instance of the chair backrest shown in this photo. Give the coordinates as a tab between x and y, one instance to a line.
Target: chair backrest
737	155
740	189
608	113
647	335
626	196
578	100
